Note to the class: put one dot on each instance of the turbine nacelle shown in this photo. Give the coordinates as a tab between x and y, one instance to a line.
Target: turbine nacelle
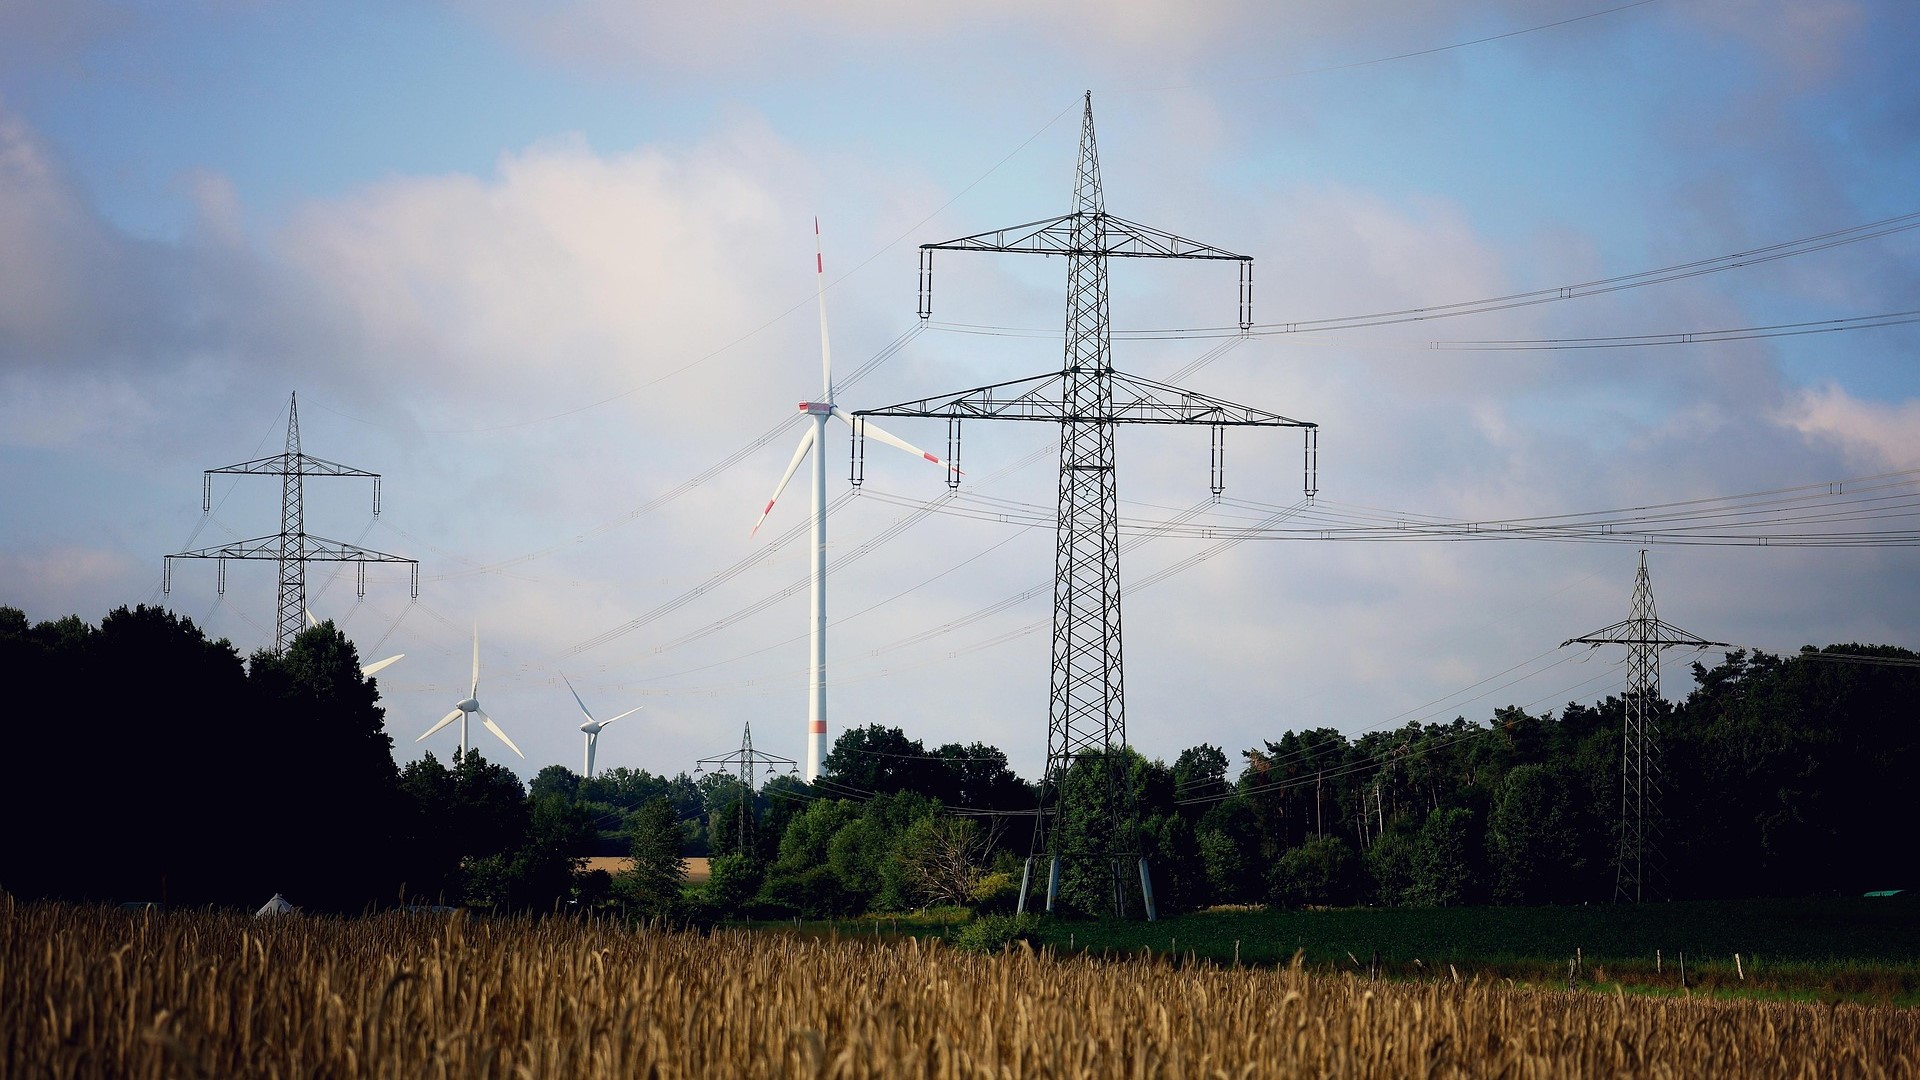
469	705
817	408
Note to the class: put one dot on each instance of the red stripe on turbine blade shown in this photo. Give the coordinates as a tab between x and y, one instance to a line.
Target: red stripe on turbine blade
819	263
929	457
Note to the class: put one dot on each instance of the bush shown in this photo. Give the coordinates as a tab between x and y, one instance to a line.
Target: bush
813	892
992	933
996	891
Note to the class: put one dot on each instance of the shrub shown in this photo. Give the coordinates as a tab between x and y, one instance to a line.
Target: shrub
992	933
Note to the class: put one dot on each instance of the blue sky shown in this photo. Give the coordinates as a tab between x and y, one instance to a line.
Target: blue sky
541	267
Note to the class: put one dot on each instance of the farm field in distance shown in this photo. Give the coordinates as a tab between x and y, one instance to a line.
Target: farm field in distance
98	991
1845	947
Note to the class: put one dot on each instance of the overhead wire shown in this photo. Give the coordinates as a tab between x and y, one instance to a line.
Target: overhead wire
1601	286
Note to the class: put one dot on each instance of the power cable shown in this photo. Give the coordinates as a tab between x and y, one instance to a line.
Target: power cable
1638	279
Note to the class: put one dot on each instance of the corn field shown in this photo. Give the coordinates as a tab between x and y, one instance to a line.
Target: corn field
100	992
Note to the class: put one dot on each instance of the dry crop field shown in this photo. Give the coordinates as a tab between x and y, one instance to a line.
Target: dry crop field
99	992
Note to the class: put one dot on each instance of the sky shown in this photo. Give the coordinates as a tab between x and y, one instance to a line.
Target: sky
549	270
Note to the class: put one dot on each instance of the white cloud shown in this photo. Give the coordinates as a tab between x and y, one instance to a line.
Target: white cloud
1872	434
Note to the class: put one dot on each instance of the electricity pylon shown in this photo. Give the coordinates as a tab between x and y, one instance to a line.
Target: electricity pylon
1088	398
1642	781
293	548
744	763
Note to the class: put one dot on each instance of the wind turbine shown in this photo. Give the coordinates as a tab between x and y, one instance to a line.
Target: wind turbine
814	438
367	671
465	710
593	727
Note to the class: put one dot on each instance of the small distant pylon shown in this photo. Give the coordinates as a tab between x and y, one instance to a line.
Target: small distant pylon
293	548
745	763
1641	874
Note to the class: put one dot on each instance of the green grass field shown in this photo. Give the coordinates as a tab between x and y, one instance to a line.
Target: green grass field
1825	948
1846	947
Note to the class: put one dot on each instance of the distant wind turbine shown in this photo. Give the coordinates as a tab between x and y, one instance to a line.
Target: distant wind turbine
465	710
593	727
367	671
814	438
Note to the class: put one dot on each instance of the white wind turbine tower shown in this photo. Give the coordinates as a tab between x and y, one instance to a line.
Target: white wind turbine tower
465	710
593	727
815	439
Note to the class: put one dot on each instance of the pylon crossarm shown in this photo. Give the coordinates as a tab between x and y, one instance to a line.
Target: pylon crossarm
1664	634
1020	399
305	465
1043	398
311	549
1143	401
1115	237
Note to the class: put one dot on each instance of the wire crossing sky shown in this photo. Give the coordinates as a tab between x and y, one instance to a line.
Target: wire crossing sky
1575	276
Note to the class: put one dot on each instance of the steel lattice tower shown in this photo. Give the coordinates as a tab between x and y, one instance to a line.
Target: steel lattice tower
1088	398
744	763
293	548
1641	869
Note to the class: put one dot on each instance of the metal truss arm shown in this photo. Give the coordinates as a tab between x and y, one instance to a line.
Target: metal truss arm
1115	237
1664	634
304	464
311	548
1044	398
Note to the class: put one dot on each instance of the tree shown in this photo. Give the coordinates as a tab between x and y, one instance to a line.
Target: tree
1321	871
1536	840
944	859
1179	868
1390	863
977	778
1200	772
1446	860
875	759
543	869
556	781
652	885
1229	841
335	814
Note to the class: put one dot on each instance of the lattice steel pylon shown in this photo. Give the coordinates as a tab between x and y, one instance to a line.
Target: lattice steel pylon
1641	870
293	548
744	763
1087	398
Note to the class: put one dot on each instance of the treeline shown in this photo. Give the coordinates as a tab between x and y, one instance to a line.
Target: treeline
151	764
154	764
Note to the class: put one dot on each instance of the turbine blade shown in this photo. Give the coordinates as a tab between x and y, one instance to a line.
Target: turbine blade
370	670
820	295
311	621
487	722
576	696
872	431
475	692
624	715
799	455
444	721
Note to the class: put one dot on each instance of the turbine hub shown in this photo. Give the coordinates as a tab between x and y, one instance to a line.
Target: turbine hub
592	727
470	705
